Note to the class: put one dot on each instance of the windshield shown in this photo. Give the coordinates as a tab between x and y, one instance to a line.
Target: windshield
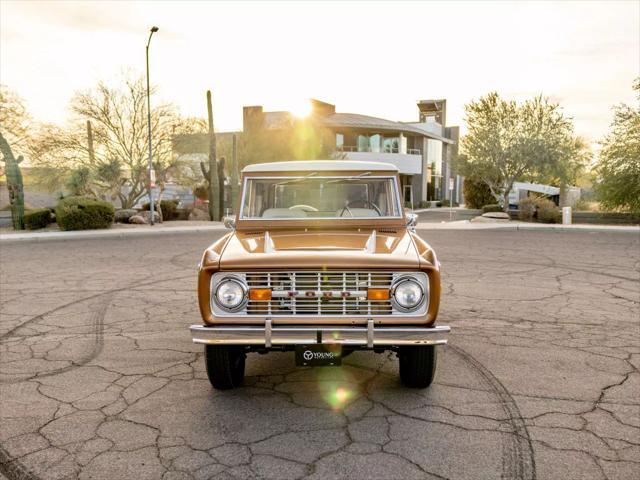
316	197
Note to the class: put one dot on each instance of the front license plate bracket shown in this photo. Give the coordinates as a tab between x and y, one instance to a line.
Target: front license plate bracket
318	355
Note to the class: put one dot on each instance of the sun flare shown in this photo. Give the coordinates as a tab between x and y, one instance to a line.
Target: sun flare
302	109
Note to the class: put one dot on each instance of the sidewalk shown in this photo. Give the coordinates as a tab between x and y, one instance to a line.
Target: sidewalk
146	230
516	225
119	231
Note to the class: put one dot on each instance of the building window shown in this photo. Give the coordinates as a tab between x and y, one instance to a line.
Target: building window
434	155
363	143
339	141
391	145
374	142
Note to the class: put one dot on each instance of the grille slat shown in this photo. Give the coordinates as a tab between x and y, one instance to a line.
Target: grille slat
347	290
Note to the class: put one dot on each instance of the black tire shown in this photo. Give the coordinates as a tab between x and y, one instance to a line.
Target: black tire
225	366
417	365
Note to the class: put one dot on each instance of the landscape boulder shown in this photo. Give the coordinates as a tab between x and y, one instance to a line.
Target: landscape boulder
200	215
496	215
123	216
492	217
142	218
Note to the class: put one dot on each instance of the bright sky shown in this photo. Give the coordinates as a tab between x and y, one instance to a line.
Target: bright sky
372	58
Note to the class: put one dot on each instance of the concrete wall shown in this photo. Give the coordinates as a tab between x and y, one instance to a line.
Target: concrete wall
406	163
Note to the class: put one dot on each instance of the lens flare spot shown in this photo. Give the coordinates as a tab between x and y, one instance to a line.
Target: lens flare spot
342	395
339	397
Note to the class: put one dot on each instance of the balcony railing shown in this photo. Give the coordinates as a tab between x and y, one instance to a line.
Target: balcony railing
353	148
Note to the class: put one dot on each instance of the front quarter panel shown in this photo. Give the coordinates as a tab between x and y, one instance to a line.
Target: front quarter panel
431	266
209	264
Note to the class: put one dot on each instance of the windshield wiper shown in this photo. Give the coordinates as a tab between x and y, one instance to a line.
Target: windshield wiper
365	174
299	179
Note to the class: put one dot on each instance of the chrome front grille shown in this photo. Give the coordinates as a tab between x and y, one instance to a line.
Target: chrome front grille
319	293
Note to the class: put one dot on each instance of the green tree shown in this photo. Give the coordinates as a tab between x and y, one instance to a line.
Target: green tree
15	132
506	142
618	168
571	164
15	121
118	162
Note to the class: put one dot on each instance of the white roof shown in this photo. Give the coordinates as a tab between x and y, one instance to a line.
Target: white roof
536	187
321	166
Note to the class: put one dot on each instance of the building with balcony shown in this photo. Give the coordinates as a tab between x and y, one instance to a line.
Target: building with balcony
422	150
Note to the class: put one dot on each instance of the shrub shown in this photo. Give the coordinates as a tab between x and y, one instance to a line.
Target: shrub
82	213
547	211
38	218
183	213
476	193
492	208
169	209
201	192
527	209
123	216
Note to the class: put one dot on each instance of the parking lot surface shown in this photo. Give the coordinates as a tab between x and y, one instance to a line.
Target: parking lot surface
99	378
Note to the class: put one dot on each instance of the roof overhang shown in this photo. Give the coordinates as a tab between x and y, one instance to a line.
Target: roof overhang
320	166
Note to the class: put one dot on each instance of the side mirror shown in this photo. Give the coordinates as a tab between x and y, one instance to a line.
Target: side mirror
412	219
229	222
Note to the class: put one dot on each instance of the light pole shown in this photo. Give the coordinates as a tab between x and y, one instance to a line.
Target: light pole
151	179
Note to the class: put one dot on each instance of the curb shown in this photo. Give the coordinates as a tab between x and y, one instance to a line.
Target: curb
466	225
151	231
96	234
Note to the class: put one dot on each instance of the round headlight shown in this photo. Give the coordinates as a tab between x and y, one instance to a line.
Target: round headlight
408	294
230	294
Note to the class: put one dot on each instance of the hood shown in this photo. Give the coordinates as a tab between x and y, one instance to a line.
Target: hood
355	248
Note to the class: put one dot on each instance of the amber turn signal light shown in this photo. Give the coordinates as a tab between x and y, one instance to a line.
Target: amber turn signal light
377	294
260	294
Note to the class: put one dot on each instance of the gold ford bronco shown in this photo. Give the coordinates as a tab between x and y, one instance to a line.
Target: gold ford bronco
322	260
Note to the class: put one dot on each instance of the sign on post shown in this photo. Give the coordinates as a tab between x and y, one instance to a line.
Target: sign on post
450	198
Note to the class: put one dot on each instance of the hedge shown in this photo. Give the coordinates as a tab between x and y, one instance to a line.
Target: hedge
169	209
37	218
477	194
82	213
547	211
527	209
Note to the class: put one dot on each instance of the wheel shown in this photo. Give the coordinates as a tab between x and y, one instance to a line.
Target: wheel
225	366
417	365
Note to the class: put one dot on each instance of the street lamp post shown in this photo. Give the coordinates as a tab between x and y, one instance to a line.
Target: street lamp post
151	181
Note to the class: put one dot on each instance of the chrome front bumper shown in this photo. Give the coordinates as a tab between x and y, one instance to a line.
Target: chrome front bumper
369	336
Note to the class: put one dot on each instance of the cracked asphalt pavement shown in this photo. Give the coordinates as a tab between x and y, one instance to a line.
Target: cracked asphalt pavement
99	378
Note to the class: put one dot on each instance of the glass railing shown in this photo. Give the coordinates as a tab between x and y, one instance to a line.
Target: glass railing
353	148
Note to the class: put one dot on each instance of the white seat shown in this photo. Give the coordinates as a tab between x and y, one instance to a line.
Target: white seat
283	213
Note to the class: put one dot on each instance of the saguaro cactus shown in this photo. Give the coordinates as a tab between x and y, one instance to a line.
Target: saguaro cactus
233	171
221	164
92	154
14	184
211	172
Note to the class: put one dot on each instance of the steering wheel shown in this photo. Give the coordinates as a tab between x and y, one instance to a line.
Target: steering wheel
376	208
305	208
345	209
366	203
